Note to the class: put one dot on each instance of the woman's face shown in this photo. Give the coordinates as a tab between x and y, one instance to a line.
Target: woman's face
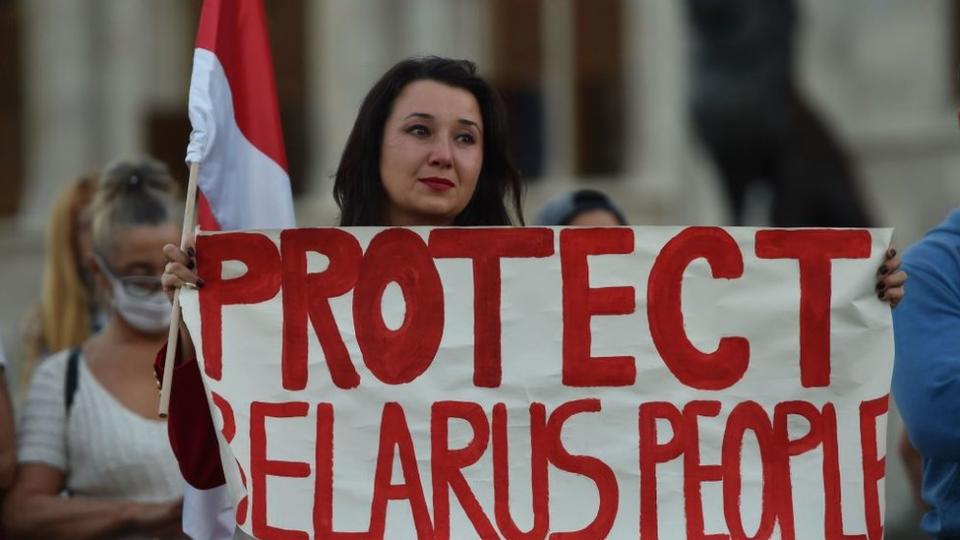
432	154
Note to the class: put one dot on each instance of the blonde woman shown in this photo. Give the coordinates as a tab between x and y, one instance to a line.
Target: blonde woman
67	312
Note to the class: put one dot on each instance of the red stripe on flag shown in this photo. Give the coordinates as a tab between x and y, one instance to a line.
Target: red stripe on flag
236	32
205	218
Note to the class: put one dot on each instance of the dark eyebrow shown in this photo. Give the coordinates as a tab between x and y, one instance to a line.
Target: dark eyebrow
427	116
466	122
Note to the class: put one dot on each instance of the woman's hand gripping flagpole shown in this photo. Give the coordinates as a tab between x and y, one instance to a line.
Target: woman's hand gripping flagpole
186	236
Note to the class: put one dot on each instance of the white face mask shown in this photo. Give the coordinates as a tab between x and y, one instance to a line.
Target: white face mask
149	314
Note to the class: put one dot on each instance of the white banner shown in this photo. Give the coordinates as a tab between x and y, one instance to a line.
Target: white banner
645	382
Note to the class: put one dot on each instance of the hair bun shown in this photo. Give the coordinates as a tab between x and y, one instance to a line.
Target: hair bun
131	192
125	178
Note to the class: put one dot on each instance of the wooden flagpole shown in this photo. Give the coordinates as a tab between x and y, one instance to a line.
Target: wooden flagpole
173	336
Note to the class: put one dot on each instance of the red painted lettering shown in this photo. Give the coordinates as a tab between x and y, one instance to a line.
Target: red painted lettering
310	293
395	435
261	282
833	497
750	415
694	472
398	356
591	467
229	431
447	463
874	467
261	466
814	249
705	371
653	452
486	247
580	303
793	447
538	474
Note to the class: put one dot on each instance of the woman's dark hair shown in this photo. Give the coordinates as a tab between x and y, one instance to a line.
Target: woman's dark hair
563	209
358	188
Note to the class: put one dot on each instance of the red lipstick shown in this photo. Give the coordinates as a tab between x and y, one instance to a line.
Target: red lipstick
437	183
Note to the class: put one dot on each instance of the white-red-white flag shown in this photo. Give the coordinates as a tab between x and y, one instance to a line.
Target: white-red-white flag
236	137
243	181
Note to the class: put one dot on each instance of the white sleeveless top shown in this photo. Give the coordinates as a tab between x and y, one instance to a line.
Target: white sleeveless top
105	449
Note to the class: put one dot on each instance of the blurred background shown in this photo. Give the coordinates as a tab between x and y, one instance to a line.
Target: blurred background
600	94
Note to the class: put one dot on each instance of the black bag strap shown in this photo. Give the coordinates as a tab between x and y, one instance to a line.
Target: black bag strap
73	380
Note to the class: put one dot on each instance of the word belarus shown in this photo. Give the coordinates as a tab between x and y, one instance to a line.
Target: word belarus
529	382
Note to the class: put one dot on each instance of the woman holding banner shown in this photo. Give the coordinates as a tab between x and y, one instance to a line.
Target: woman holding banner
428	148
926	374
88	427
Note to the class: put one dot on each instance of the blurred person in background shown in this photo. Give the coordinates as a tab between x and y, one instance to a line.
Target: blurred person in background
756	124
926	374
93	460
68	312
584	207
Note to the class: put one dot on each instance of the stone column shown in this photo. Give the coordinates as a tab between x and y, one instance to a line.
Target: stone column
657	66
124	49
558	91
347	50
472	39
91	71
170	56
61	118
454	28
